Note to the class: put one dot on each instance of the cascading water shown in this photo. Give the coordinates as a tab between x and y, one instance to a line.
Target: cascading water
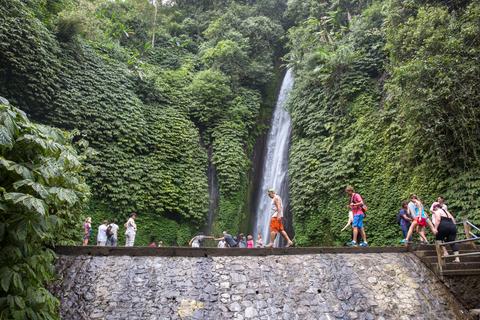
275	164
212	193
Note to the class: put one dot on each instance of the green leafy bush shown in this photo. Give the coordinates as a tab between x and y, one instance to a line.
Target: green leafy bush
41	194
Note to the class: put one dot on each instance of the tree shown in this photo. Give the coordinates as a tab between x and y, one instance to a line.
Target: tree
211	93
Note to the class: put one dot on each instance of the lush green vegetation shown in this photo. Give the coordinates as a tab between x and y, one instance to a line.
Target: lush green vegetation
41	194
151	89
386	99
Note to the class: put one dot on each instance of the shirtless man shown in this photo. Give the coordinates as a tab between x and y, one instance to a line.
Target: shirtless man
276	224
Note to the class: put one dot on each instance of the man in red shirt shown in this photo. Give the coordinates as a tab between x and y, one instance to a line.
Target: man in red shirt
356	205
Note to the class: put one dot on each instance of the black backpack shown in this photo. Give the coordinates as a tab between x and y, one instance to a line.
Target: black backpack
109	231
399	218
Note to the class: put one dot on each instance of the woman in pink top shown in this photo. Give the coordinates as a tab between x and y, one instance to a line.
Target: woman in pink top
87	230
250	241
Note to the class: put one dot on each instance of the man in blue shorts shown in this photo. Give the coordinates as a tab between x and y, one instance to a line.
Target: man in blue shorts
357	205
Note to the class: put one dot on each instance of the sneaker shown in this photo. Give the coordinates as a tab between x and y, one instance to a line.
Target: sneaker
352	244
363	244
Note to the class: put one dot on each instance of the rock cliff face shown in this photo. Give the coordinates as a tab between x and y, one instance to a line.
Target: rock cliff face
323	286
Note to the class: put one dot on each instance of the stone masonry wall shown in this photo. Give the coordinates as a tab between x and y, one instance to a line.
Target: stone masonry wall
321	286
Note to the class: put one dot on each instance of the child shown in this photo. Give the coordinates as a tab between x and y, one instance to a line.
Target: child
259	241
152	242
249	241
349	223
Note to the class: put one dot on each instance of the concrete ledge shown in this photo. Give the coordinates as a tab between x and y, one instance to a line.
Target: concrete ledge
214	252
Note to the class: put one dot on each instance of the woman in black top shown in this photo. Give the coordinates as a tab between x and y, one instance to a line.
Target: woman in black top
447	230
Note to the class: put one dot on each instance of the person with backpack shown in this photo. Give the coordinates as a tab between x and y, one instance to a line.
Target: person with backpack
404	219
112	234
358	208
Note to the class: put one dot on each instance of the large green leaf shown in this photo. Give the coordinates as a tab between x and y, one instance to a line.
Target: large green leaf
39	189
18	168
64	195
28	201
6	275
6	137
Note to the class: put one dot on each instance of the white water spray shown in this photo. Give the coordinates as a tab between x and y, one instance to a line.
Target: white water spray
276	161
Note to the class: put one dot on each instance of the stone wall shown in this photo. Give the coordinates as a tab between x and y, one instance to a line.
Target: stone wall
321	286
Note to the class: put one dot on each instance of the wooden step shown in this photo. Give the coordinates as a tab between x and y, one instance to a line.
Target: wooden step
433	259
427	247
457	268
461	265
429	253
461	272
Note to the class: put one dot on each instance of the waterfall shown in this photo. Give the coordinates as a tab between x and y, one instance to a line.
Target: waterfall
275	164
212	193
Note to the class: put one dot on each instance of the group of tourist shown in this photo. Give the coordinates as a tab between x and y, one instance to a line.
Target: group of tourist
228	241
107	234
239	241
412	218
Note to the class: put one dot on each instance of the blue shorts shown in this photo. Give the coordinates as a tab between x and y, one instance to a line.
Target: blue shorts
358	221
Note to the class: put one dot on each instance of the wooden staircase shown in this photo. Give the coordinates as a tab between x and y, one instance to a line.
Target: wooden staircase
468	265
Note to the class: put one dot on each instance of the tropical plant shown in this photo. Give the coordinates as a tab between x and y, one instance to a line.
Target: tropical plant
41	195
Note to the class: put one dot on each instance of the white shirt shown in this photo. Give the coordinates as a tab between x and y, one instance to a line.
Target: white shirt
412	209
114	228
102	233
131	226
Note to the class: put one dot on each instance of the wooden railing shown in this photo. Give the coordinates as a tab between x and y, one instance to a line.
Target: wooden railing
470	238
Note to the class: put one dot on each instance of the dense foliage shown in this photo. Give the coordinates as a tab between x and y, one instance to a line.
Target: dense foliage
151	88
41	193
386	99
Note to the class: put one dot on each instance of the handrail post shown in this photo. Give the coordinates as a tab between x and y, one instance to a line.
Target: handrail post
440	259
467	229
